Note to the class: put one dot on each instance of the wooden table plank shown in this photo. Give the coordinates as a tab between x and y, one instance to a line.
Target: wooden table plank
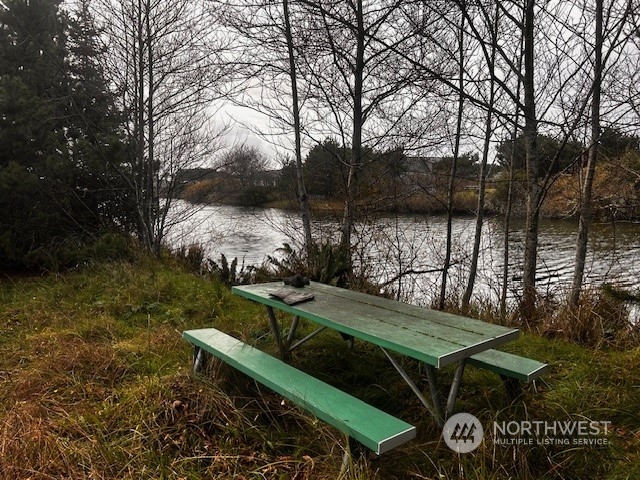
429	322
422	313
433	337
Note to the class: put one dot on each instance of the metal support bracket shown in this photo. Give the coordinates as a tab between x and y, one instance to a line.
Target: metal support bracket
435	412
434	407
292	330
306	339
287	346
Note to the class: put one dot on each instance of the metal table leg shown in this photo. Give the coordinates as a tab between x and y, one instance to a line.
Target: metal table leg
273	322
434	411
455	386
292	330
435	408
286	345
199	359
433	386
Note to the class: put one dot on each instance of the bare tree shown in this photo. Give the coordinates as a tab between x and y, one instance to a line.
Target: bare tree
585	199
303	198
508	209
555	96
530	133
353	79
164	62
245	163
263	31
616	29
462	58
490	57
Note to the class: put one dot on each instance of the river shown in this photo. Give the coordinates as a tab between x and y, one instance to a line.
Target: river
389	245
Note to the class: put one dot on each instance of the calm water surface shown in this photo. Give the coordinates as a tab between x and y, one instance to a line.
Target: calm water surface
414	245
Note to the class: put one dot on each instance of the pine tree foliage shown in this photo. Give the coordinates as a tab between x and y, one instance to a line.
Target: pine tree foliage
59	136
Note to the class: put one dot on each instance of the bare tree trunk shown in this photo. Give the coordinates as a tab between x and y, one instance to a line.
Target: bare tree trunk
507	226
482	181
473	269
507	216
356	139
509	206
534	190
144	228
586	193
153	197
454	164
303	199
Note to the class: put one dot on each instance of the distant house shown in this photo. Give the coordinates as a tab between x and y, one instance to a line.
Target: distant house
420	171
421	165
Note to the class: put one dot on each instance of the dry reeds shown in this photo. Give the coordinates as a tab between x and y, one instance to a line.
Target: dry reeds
599	320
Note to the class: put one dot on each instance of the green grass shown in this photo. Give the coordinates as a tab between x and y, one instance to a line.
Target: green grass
95	383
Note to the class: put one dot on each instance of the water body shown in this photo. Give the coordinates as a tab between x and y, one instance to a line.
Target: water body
414	245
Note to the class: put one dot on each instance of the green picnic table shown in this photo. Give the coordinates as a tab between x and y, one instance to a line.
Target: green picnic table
435	338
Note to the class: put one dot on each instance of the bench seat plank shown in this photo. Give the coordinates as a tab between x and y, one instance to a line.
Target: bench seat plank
509	365
370	426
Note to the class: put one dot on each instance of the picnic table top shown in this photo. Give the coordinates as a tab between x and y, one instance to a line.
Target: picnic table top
435	337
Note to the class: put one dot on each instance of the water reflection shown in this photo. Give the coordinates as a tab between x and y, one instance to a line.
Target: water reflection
408	251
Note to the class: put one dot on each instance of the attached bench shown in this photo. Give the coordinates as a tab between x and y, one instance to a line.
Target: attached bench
511	368
370	426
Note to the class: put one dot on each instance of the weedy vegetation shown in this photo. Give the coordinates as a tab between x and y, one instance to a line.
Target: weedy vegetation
96	383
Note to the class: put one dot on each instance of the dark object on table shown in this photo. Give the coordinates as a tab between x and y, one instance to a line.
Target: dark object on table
296	280
291	297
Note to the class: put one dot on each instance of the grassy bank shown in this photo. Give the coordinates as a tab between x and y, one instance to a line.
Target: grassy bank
95	383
